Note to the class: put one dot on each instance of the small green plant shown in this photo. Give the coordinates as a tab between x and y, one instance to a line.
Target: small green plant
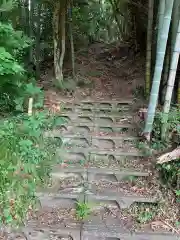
178	193
82	210
130	178
145	216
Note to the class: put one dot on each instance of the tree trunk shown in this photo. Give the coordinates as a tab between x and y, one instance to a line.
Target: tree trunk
178	94
160	18
31	28
59	18
149	46
171	80
114	7
164	80
175	22
158	69
38	32
71	40
161	11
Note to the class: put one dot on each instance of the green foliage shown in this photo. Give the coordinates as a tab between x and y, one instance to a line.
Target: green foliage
170	171
173	129
12	73
13	41
6	6
26	158
144	212
96	21
30	90
82	210
145	216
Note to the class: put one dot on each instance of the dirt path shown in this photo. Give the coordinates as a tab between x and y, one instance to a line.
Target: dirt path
105	79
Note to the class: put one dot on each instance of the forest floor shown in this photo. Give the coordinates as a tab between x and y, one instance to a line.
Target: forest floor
110	80
100	77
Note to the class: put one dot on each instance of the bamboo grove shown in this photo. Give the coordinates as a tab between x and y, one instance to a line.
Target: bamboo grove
162	77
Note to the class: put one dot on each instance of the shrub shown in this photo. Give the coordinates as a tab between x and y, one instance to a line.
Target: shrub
26	158
12	74
170	171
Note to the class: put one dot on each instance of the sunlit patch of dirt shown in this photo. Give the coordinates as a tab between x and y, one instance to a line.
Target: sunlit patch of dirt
116	79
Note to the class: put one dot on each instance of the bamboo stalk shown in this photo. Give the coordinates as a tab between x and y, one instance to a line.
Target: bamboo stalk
171	81
149	47
164	79
178	97
158	69
175	22
161	11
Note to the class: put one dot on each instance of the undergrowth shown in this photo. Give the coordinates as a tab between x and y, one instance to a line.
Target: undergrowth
26	158
170	171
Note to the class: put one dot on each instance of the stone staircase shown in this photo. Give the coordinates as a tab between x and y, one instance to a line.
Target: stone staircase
99	157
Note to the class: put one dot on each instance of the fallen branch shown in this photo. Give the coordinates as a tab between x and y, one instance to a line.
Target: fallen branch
174	230
170	156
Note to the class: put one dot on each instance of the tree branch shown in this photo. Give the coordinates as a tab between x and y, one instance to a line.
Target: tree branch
170	156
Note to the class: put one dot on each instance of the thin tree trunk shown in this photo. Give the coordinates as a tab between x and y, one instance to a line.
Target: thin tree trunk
31	27
161	11
149	46
38	32
59	18
175	22
63	42
71	40
178	94
56	38
114	7
171	80
164	80
158	69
